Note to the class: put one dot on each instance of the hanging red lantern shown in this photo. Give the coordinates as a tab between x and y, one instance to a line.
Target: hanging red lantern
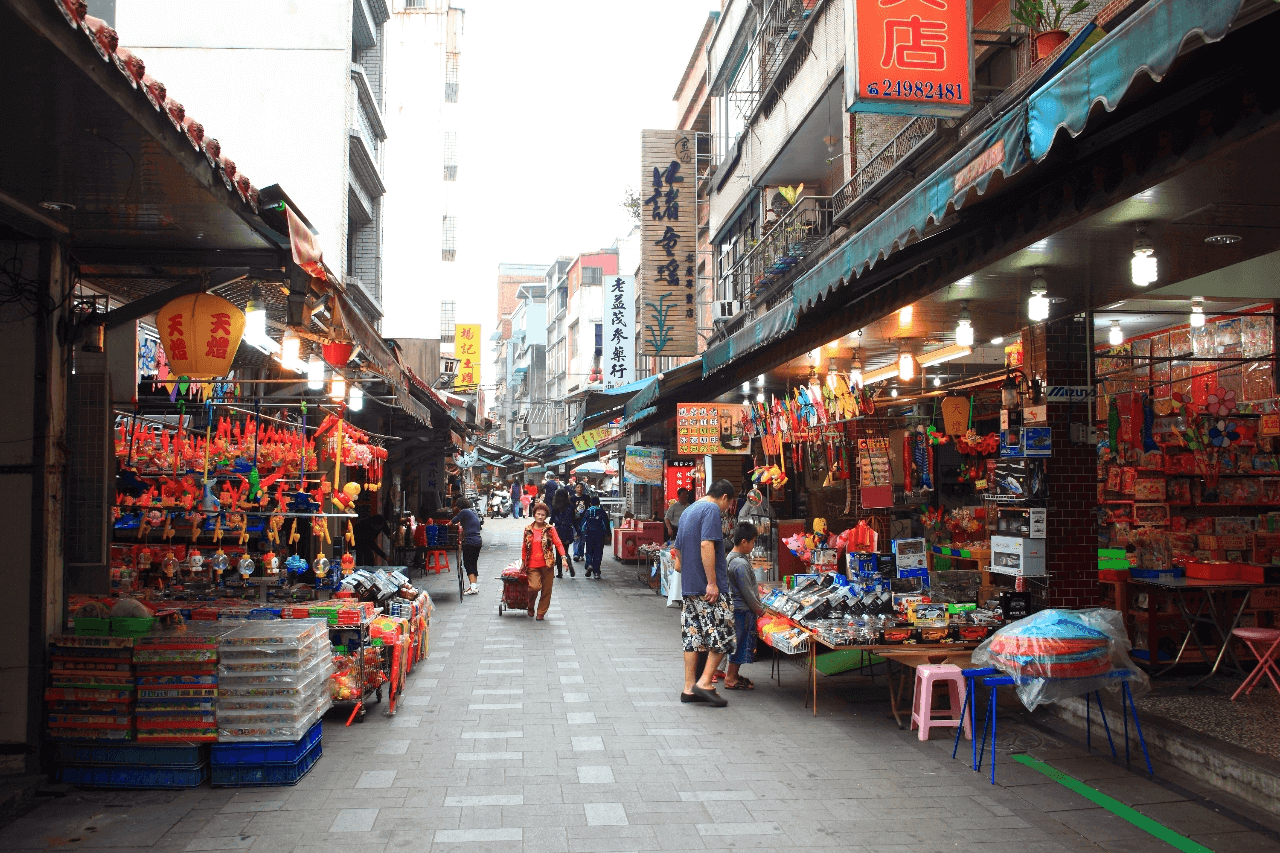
200	334
337	353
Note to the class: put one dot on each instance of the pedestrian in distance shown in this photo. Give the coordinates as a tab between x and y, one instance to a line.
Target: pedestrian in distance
549	489
471	523
581	500
562	521
746	605
672	517
706	617
517	509
540	548
595	530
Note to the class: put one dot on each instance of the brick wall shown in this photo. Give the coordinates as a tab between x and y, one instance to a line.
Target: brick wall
1058	352
507	302
367	263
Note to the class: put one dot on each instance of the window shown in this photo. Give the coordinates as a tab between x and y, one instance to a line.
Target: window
450	156
573	340
449	239
415	4
447	308
451	79
599	339
593	275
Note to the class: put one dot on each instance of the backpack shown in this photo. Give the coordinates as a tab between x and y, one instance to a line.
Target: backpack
595	521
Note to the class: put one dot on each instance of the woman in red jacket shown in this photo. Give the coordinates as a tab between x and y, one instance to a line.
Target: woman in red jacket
538	557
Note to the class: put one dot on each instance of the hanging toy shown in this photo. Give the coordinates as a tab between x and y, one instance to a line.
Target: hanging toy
1148	424
273	529
295	565
350	535
294	536
348	563
217	529
271	563
246	566
920	454
169	565
1113	428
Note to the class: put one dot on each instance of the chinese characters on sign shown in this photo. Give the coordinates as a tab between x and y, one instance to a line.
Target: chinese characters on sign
708	429
667	286
909	57
466	347
619	355
590	438
679	476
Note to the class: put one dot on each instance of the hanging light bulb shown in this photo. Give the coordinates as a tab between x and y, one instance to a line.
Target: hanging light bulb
1009	392
1115	336
964	326
315	373
893	392
1038	304
255	316
760	380
904	316
337	387
832	376
355	398
937	381
855	372
1197	312
1143	268
906	367
995	342
760	396
746	387
291	351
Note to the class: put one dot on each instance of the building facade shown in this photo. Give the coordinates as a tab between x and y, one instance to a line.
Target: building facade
511	278
575	329
526	414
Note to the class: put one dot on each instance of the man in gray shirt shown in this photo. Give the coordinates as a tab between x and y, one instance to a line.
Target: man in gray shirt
706	619
672	518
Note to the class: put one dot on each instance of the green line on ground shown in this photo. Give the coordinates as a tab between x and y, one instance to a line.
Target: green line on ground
1146	824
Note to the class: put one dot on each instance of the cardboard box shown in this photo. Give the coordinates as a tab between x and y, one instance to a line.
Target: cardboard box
1214	571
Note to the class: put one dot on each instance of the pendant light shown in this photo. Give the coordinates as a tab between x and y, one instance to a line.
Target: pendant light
1009	392
964	326
906	367
855	372
1197	312
315	373
355	398
746	387
1143	268
1115	336
832	376
904	316
255	316
1038	304
290	352
893	392
337	388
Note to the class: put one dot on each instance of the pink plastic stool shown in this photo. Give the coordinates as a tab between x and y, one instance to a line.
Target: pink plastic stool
922	710
1263	642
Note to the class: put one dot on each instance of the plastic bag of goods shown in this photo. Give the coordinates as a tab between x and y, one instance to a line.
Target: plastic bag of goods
1060	654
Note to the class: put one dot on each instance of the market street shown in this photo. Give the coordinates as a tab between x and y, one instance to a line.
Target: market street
568	736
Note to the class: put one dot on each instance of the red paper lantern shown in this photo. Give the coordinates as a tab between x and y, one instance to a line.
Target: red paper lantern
200	334
337	353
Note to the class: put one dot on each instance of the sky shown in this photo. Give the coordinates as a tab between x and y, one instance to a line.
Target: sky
554	96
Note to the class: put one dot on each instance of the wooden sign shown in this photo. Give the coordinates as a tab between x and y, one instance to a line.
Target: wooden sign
666	289
909	57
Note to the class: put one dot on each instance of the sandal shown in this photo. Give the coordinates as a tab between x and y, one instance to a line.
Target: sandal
744	683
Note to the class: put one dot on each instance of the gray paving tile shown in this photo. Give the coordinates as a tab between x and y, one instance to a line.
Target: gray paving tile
376	779
587	744
453	836
605	814
595	775
353	820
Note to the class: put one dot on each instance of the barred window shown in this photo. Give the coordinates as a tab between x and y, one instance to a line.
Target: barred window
447	309
450	156
451	79
449	239
593	275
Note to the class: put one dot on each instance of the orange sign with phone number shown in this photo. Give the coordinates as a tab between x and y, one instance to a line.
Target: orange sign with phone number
910	57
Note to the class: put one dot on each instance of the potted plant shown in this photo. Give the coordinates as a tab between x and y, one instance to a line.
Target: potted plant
1044	18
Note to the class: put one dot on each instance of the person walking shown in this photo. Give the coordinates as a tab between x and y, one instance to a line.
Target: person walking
541	547
595	530
562	520
471	523
746	605
706	617
581	500
516	508
549	488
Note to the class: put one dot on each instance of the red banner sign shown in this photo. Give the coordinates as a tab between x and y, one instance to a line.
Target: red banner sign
910	57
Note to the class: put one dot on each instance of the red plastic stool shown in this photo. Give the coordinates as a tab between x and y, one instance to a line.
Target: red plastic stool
437	561
1264	643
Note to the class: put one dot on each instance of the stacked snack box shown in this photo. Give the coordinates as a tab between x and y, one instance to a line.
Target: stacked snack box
177	677
91	690
272	679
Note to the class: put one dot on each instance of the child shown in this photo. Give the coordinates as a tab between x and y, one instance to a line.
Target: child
746	605
595	530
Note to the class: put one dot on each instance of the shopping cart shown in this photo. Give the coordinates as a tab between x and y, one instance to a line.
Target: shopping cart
515	589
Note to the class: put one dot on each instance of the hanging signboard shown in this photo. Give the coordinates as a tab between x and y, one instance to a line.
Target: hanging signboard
590	438
667	292
643	466
619	351
708	429
909	57
679	476
466	347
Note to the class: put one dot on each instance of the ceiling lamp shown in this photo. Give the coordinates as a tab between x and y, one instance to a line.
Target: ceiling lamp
291	352
904	317
760	396
893	392
255	316
355	398
995	342
964	326
855	372
1143	267
1038	304
1009	392
760	380
906	367
938	356
1115	336
832	376
315	373
881	373
1197	312
337	388
746	387
937	381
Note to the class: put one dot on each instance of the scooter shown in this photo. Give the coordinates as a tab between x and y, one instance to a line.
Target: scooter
499	505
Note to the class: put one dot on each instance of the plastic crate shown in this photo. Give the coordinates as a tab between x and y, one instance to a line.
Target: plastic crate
87	627
134	777
259	775
132	627
265	752
99	754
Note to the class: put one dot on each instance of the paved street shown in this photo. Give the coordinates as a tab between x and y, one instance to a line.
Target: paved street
567	735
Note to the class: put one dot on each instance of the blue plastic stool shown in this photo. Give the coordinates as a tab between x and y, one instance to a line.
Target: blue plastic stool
971	677
989	724
1127	707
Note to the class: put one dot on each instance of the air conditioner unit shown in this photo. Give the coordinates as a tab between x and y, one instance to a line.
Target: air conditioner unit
727	310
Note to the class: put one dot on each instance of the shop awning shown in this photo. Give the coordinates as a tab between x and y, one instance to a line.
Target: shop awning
500	450
642	398
777	321
607	405
573	457
1149	42
1000	148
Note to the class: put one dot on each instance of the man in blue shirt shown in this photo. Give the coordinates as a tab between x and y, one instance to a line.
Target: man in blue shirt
706	619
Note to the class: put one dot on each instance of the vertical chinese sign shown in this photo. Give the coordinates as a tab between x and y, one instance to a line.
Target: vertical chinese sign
667	294
619	331
466	348
909	57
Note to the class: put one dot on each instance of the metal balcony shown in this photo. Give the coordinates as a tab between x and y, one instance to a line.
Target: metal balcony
876	172
783	248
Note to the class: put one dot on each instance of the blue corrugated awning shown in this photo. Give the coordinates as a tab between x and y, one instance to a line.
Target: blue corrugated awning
1149	42
572	457
776	321
643	398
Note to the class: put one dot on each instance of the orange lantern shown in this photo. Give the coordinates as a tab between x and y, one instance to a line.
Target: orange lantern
200	334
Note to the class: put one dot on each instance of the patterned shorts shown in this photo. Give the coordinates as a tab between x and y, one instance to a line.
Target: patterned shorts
707	627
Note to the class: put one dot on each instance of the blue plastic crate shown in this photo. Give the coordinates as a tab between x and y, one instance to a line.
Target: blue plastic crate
152	755
134	777
260	775
266	752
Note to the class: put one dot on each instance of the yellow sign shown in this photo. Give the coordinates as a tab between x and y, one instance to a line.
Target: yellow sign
466	348
590	438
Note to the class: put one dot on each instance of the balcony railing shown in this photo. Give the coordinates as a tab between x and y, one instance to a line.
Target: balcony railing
883	162
782	248
777	35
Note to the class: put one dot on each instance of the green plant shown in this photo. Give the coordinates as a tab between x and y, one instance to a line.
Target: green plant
1044	16
791	193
